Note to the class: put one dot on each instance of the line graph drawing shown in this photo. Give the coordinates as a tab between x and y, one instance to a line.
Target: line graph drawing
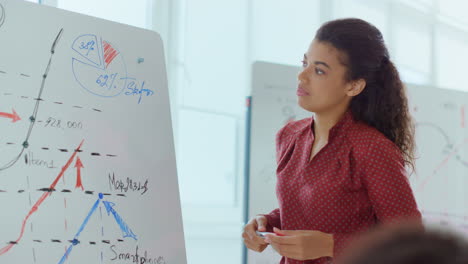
441	158
127	232
109	207
463	116
2	15
449	150
33	117
40	201
75	240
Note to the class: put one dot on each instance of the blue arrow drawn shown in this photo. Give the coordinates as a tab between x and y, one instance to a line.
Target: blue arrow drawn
127	232
75	240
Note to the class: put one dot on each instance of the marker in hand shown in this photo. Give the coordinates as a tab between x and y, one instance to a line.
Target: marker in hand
263	234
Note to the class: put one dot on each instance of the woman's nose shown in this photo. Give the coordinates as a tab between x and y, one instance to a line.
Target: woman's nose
302	76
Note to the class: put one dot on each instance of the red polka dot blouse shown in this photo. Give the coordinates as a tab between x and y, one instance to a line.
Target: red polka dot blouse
353	183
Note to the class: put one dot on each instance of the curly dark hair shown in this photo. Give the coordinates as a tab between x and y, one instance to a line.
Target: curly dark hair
383	104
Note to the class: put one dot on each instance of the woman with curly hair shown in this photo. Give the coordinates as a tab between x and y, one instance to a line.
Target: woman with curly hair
342	171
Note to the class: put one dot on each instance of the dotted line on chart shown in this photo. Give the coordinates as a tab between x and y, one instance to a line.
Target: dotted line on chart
66	191
67	150
59	103
58	241
21	74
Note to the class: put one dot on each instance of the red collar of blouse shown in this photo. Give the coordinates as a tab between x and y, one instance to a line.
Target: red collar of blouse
346	121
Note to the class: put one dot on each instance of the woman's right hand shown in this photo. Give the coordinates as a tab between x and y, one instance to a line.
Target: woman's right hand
251	239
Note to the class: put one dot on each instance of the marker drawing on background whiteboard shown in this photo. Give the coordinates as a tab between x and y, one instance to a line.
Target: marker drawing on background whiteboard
451	151
446	159
2	15
463	116
33	117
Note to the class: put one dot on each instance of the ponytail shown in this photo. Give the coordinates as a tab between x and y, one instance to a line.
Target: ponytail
384	106
383	103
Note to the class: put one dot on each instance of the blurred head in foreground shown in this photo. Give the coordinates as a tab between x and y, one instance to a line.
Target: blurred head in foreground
408	245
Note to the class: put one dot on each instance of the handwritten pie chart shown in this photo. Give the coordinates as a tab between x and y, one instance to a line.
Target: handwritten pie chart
98	66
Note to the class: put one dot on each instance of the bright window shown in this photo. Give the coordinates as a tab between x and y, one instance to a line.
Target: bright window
452	55
129	12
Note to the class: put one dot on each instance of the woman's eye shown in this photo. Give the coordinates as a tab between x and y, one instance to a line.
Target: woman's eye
319	71
304	63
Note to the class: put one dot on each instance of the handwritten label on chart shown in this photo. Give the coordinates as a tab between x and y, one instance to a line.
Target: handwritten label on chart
58	123
135	257
127	185
134	88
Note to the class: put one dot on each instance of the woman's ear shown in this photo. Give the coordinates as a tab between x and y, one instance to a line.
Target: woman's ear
355	87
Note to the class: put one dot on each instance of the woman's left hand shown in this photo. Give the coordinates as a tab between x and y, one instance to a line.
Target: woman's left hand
301	244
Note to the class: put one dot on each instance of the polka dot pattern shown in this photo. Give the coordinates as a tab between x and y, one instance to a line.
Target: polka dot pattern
356	181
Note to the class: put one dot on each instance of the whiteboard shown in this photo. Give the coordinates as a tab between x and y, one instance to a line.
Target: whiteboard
441	136
441	176
87	163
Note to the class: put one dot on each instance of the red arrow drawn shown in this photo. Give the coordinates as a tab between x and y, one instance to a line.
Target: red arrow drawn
78	166
40	201
14	116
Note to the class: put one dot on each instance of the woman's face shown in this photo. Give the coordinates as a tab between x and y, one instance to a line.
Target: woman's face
322	85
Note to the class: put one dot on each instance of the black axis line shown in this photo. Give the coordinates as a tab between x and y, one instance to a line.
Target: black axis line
36	107
47	189
104	241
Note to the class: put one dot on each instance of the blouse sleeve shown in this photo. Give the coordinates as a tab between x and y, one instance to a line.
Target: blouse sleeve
274	220
384	176
387	184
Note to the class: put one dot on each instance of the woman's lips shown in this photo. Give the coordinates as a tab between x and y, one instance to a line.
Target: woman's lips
301	92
